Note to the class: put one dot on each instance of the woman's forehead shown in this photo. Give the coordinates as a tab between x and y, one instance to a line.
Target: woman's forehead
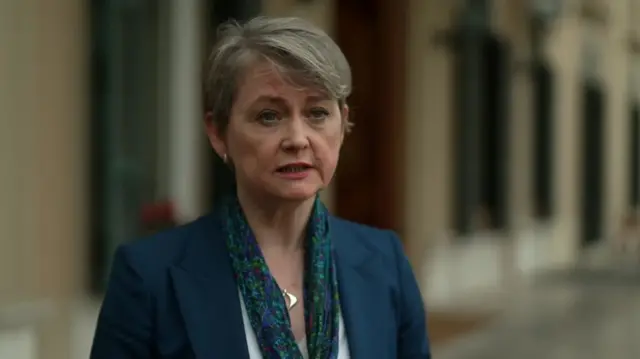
267	82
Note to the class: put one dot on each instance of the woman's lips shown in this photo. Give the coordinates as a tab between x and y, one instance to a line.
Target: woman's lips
294	171
295	175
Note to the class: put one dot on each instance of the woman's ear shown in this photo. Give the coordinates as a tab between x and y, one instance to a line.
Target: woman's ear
346	125
216	138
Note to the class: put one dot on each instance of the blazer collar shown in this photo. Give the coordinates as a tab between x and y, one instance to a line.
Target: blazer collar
207	293
361	296
208	297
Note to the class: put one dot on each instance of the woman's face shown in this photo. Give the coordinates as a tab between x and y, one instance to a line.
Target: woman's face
284	140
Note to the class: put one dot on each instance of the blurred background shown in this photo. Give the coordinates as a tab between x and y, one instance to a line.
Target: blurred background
500	138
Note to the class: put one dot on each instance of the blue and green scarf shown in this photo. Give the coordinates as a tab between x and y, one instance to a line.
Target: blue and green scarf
263	298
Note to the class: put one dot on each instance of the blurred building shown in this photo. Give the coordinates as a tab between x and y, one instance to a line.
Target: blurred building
505	131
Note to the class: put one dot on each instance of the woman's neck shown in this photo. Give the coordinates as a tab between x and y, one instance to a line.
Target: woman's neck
278	225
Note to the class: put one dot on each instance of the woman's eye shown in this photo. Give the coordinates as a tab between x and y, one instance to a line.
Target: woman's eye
318	115
268	117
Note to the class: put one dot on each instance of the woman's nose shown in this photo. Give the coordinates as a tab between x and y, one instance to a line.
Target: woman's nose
296	136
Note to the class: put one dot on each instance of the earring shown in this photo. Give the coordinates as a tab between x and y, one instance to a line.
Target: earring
224	158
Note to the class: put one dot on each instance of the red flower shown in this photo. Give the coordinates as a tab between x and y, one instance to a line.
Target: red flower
159	212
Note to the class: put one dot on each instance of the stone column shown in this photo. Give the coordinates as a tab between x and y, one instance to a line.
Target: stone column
186	127
617	117
429	170
564	43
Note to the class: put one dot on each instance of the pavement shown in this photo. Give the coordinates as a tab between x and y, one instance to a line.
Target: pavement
582	313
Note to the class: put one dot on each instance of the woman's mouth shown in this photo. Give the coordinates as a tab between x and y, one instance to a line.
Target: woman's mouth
294	171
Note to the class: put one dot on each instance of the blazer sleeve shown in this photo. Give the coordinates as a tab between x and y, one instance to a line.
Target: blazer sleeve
413	342
124	325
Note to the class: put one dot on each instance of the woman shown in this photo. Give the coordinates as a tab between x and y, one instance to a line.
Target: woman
269	274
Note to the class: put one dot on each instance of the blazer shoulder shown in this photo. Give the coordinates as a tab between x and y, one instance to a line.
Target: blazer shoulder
381	241
152	254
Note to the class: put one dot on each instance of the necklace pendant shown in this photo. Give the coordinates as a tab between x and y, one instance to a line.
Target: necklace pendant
290	300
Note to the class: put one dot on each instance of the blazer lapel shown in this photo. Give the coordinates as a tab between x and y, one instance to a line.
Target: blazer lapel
361	298
207	294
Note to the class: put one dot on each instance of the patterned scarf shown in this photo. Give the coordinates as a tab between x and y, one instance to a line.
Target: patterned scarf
263	298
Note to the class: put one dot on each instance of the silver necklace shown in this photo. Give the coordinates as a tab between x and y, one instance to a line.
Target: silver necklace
290	300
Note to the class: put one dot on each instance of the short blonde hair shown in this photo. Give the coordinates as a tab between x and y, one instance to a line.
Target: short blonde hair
300	50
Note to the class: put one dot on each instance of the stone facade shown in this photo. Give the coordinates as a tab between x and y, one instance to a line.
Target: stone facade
43	238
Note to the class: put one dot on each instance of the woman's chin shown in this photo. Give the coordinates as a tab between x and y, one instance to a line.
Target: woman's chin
298	193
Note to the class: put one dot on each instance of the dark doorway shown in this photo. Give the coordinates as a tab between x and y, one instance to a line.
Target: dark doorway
634	157
369	180
593	162
481	107
468	36
494	131
543	140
